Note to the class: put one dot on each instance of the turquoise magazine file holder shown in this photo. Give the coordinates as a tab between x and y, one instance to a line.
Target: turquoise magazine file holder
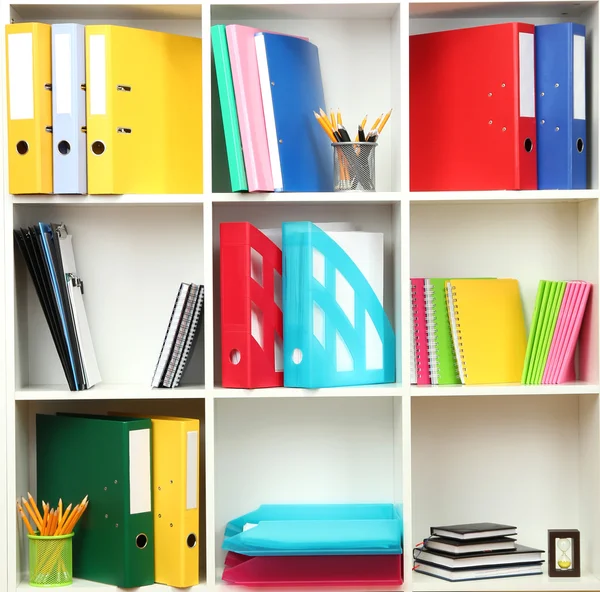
310	361
317	529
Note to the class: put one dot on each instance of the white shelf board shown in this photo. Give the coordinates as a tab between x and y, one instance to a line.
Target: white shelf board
107	9
171	199
87	586
375	390
576	388
541	196
333	197
541	583
107	392
306	9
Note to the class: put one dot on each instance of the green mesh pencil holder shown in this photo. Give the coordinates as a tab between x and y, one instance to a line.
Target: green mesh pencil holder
50	560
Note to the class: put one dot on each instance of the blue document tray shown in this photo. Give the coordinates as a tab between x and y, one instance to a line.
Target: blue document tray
317	529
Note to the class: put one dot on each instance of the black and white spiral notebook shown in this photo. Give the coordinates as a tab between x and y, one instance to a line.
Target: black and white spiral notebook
181	336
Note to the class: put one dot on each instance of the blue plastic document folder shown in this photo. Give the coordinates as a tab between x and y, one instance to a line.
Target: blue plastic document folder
561	106
317	529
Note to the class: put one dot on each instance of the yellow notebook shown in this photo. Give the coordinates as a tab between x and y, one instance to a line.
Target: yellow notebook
488	330
29	107
144	111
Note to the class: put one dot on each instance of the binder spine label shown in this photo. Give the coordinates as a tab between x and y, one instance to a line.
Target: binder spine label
526	75
97	75
140	484
62	75
20	75
191	480
578	77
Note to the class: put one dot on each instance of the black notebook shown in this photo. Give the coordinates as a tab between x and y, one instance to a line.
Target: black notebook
476	530
521	554
481	573
458	547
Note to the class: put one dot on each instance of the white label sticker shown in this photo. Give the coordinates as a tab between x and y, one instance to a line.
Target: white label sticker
62	74
140	484
578	77
191	489
20	75
526	75
97	90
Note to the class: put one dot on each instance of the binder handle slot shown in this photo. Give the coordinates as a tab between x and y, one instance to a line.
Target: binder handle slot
141	541
22	147
64	147
191	540
83	86
123	130
49	129
48	86
98	147
579	145
123	88
528	144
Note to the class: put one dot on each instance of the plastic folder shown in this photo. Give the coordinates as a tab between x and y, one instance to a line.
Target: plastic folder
319	529
332	570
336	330
108	459
29	107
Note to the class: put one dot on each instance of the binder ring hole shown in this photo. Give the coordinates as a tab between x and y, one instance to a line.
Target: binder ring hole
64	147
141	540
191	540
528	145
579	145
297	356
235	356
22	147
98	147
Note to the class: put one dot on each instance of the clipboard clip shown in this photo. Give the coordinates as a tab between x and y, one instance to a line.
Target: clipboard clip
75	281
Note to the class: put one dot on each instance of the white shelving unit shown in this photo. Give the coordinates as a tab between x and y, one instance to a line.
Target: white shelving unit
523	455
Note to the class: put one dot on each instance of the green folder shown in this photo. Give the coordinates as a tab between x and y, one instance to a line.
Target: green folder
233	142
109	460
221	182
442	365
533	332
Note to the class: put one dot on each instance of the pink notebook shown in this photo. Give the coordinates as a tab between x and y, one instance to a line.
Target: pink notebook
248	99
330	570
421	356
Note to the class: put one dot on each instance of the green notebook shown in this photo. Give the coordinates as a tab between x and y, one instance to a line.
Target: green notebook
534	331
231	127
109	460
442	361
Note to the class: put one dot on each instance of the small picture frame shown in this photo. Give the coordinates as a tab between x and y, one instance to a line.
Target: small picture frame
563	554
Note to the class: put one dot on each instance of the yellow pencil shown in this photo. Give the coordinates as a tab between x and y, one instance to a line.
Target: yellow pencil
385	120
60	508
32	514
64	519
362	124
339	118
325	127
34	507
333	124
27	524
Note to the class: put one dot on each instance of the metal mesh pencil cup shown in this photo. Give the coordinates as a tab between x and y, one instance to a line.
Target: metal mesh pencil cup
50	560
354	166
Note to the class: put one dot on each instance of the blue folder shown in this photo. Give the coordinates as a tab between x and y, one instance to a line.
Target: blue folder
305	153
317	529
316	366
560	106
68	109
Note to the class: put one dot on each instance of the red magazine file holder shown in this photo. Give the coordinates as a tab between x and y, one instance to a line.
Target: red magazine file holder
250	263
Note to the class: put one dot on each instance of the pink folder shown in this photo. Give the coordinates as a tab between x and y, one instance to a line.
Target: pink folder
330	570
420	331
248	99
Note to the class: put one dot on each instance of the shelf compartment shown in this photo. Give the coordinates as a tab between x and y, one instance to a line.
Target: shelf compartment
528	242
304	451
527	461
146	252
334	32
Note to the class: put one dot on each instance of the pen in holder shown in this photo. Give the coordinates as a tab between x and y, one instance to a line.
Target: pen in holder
354	166
50	560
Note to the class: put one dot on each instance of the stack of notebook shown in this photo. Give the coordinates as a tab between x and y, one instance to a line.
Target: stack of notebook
268	87
328	545
48	253
180	337
475	552
468	331
557	317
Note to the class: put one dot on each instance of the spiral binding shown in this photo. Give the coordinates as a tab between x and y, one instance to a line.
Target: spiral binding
460	350
432	339
417	337
196	319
